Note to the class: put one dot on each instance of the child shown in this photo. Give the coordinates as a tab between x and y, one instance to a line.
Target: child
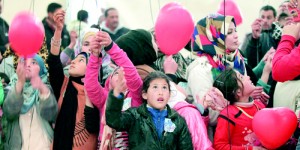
153	125
29	107
234	128
98	94
74	128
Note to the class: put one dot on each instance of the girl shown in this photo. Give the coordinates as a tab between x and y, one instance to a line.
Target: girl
74	128
29	107
98	94
153	125
234	128
216	45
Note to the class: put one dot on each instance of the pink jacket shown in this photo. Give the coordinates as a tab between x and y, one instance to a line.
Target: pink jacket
98	95
195	124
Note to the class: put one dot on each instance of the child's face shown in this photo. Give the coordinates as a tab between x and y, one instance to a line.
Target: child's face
32	68
86	44
78	66
158	94
247	84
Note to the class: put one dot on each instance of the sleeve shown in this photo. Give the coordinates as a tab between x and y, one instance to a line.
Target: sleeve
48	107
133	79
185	141
221	140
196	127
96	93
13	104
265	86
56	74
67	55
1	93
92	119
200	80
115	118
258	70
285	62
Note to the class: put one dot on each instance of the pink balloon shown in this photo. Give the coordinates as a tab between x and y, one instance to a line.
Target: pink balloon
231	9
173	28
26	34
274	126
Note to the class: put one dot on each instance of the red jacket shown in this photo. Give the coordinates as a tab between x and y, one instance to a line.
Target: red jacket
234	129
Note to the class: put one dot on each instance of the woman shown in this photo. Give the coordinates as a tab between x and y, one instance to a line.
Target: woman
216	43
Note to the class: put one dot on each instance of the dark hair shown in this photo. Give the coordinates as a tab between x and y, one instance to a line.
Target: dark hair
268	7
5	77
53	7
286	1
227	83
82	15
152	76
107	10
282	16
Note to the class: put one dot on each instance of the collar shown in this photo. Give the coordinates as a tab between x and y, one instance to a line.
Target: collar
157	113
243	104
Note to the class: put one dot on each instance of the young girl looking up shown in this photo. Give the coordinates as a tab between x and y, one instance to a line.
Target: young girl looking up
234	129
153	125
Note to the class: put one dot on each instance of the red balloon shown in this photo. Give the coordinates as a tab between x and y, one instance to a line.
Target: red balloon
274	126
173	28
26	34
231	9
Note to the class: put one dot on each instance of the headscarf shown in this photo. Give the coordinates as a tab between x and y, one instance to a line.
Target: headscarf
138	46
83	36
66	119
30	94
209	39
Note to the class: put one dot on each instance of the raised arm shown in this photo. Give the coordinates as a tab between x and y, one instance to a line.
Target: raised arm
133	80
56	74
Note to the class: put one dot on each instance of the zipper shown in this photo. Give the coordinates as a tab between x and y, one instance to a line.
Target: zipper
154	131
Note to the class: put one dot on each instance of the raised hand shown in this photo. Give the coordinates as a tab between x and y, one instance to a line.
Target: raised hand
256	28
104	38
270	52
121	84
73	36
216	99
170	66
292	29
256	94
95	46
21	71
59	19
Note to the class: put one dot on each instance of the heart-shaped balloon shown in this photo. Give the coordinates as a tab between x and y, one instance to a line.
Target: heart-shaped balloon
274	126
230	8
173	28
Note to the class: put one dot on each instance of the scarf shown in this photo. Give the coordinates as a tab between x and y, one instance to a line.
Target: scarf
30	94
209	40
138	46
66	119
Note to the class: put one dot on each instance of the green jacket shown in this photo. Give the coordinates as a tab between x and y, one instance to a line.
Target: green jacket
141	130
47	110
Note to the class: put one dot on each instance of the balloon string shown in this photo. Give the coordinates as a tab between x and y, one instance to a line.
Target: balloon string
31	7
158	1
151	12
